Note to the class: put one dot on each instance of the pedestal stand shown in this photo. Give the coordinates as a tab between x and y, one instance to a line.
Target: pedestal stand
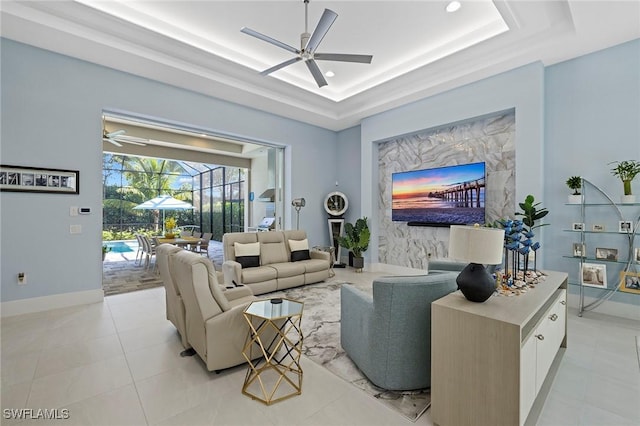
336	228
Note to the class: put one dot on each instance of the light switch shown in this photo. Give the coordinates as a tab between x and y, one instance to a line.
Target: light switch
75	229
73	211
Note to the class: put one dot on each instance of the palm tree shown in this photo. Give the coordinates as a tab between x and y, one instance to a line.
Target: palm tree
149	178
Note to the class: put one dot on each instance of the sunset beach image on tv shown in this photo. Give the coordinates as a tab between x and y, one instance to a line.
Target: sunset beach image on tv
452	195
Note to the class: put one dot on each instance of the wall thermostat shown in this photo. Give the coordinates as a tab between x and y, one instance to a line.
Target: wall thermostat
84	210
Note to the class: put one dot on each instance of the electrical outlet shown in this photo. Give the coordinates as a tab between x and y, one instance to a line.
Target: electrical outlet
73	211
75	229
22	278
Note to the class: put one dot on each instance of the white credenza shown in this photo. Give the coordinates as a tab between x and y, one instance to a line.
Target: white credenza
490	361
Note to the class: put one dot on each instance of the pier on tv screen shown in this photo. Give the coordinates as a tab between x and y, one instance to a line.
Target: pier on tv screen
452	195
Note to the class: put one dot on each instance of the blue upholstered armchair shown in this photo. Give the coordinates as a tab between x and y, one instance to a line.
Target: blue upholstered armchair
388	336
446	265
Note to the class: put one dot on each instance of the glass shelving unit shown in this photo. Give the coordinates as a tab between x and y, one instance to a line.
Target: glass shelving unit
626	261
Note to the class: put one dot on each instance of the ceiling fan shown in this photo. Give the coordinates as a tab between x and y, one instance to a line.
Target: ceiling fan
308	45
119	136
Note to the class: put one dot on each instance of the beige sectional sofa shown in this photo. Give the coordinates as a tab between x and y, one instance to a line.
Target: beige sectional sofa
268	265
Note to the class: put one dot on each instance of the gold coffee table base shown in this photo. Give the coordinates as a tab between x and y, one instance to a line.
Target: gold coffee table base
275	333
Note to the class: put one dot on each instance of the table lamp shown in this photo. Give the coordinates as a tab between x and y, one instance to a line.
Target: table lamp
479	246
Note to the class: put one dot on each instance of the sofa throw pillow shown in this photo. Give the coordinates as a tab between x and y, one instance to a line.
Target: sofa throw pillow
247	255
299	250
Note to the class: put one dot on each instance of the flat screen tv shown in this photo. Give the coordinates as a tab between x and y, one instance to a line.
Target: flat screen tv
443	196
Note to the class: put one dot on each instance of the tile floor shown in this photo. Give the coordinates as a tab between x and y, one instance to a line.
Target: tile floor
117	363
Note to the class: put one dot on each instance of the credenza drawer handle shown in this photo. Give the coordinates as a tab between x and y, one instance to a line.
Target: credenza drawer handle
540	336
563	302
553	317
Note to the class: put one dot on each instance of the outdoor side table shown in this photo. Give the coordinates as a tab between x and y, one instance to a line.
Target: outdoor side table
275	331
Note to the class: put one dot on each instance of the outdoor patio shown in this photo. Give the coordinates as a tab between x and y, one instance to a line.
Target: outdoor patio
121	273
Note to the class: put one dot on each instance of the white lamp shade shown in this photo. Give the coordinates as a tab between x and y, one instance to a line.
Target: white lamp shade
475	244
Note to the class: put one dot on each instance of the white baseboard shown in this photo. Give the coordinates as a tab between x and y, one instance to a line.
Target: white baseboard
47	303
616	309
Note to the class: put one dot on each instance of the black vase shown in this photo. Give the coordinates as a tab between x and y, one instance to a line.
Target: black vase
475	283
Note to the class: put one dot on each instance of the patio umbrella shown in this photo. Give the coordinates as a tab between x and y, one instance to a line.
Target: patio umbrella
164	202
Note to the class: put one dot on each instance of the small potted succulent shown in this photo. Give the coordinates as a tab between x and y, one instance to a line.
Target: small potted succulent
626	170
575	184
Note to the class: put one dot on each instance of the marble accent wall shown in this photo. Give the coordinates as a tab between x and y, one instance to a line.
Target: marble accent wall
490	139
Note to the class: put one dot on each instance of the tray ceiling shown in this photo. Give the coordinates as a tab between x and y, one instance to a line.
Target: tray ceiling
418	48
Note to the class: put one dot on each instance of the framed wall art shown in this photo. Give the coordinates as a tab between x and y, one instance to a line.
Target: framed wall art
594	275
38	179
603	253
630	282
625	226
579	250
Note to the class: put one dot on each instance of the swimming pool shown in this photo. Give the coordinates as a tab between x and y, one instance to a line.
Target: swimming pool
121	246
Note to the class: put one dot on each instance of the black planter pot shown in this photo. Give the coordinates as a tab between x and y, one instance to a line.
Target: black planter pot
358	263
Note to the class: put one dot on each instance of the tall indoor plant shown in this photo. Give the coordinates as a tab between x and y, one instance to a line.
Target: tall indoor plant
626	170
356	239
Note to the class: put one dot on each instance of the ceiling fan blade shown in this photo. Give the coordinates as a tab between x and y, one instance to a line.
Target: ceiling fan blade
129	138
327	19
116	133
281	65
268	39
363	59
315	71
132	142
112	141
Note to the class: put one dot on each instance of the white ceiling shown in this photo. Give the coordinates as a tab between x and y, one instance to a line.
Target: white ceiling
418	48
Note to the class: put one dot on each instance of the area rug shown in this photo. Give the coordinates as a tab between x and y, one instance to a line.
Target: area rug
321	330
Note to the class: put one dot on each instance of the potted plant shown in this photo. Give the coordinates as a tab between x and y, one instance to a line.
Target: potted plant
356	240
575	183
170	226
105	249
531	211
626	171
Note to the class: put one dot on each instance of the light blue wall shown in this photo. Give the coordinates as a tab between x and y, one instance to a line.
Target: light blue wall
592	117
348	176
51	117
571	119
522	89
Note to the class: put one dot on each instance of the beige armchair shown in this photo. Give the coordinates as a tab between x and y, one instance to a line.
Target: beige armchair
215	325
174	303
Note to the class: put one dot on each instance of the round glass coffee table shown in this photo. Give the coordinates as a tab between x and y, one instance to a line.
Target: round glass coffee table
274	371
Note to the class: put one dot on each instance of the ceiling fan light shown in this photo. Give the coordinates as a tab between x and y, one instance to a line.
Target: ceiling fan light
330	74
453	6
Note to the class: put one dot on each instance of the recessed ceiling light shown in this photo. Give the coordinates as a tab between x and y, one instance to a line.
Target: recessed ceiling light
330	74
453	6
